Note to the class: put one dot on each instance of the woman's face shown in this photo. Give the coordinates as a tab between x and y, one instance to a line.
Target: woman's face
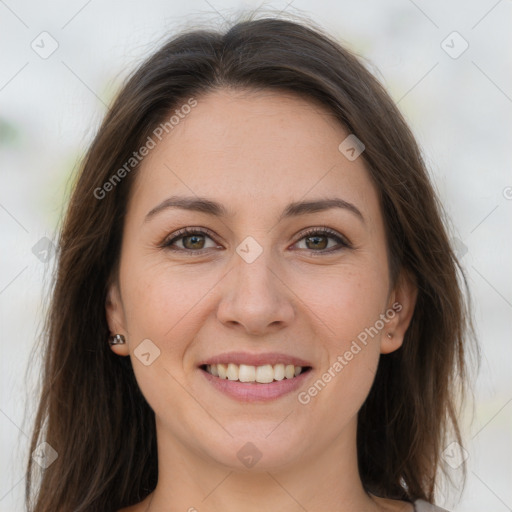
250	285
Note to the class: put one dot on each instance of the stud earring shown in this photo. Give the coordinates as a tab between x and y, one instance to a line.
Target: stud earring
389	335
117	339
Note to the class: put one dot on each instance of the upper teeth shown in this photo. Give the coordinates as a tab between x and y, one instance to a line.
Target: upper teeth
246	373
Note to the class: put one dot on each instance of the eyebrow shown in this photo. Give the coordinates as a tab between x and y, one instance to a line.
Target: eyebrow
210	207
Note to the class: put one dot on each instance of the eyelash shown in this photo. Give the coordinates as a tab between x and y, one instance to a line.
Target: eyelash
322	231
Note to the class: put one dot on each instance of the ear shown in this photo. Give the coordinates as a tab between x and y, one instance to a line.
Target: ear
402	301
116	318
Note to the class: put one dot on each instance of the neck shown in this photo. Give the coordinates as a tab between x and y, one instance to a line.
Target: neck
193	482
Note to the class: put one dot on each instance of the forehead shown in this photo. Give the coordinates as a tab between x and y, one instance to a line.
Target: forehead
266	146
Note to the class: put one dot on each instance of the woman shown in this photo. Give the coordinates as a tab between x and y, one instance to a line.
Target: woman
256	306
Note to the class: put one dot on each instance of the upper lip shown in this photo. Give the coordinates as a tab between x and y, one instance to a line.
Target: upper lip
261	359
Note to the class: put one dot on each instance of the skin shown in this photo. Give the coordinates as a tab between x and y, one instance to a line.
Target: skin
255	152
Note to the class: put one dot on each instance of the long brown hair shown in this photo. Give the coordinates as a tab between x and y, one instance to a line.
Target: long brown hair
91	411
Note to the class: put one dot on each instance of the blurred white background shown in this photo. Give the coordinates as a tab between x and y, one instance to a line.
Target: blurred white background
457	100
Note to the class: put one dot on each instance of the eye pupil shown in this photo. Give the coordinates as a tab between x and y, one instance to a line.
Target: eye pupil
321	246
193	243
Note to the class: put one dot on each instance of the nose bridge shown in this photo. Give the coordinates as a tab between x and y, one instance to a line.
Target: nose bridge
255	296
255	267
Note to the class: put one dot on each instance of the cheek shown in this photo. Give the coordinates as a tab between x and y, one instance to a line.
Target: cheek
333	400
346	300
160	298
349	305
168	305
164	305
352	342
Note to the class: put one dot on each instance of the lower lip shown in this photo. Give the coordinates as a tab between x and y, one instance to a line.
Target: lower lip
255	392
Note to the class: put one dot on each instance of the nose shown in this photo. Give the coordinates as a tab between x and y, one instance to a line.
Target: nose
256	296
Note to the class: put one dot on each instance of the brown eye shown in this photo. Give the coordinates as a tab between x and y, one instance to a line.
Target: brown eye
317	240
191	240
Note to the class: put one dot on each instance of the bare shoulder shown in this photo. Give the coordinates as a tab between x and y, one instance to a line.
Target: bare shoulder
390	505
425	506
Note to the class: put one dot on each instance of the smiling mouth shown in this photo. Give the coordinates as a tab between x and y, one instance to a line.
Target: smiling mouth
264	374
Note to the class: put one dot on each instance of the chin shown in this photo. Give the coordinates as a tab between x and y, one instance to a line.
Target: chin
250	453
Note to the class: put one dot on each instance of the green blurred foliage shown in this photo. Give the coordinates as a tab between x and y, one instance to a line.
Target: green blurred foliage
9	134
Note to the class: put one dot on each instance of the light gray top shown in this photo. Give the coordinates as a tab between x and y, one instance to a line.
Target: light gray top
425	506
